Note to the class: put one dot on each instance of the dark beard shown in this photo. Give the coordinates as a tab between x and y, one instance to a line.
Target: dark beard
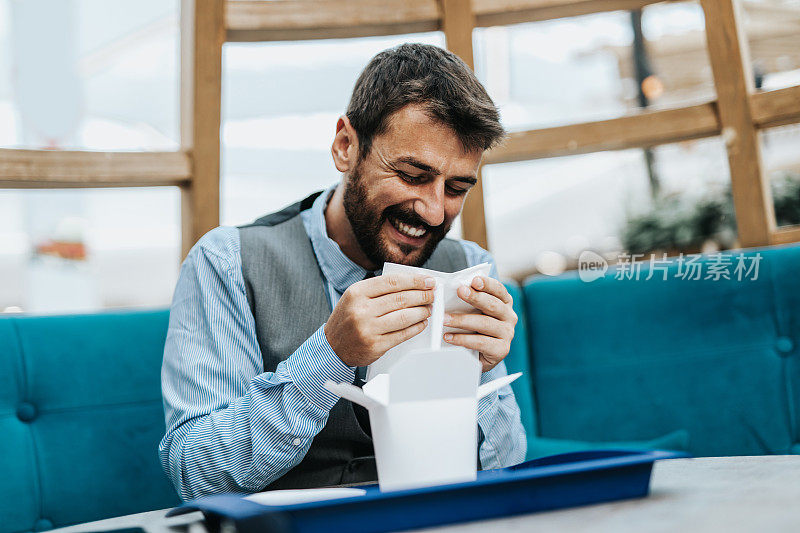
367	223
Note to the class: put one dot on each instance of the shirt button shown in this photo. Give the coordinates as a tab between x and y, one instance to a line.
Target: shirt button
297	442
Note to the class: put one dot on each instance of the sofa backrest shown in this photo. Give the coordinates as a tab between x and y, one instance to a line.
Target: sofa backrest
630	359
80	418
518	360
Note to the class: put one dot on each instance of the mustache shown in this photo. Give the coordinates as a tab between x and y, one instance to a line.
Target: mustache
411	218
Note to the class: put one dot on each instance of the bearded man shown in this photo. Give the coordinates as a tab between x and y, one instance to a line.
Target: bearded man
265	313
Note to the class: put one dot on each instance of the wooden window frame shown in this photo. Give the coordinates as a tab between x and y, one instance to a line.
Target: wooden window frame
737	114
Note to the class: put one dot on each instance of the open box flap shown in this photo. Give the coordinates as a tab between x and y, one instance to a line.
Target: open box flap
378	388
448	373
350	392
488	388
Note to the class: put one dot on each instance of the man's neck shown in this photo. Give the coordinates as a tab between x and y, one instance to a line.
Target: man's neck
339	229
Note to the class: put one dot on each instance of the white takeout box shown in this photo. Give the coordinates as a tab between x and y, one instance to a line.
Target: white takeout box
445	300
424	417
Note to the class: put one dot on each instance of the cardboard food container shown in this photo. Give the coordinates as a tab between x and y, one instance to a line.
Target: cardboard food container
424	417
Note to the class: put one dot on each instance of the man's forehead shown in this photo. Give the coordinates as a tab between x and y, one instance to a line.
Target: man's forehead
413	124
414	137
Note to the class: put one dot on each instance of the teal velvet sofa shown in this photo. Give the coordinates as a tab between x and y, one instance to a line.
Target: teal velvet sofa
708	366
80	418
717	360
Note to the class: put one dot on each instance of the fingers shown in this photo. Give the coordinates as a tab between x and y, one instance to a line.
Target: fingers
490	347
380	285
493	287
396	337
401	300
487	303
482	324
401	319
493	330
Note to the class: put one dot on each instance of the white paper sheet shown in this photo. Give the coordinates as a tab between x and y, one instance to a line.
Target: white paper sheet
445	300
295	496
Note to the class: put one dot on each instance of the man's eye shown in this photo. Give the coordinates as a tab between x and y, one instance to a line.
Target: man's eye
456	191
409	178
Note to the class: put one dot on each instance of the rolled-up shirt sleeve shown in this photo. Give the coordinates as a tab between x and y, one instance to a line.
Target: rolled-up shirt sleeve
504	442
231	427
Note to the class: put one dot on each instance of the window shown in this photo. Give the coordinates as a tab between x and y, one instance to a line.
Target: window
97	75
82	250
92	75
581	69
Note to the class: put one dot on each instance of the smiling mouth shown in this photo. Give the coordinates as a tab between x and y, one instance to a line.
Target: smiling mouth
414	232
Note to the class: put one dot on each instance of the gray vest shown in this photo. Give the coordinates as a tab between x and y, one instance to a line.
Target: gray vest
287	296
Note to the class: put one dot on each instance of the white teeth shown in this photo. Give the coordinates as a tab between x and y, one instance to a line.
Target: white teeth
408	230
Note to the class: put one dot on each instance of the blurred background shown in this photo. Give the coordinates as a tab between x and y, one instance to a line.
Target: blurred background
105	75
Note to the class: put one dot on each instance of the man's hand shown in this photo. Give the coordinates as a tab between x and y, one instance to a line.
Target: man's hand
493	329
377	314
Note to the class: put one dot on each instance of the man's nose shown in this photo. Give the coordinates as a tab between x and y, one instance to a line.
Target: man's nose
430	204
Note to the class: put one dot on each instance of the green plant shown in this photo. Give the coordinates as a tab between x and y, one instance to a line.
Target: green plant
676	223
786	194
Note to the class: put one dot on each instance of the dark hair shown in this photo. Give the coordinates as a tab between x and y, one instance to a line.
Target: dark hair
423	74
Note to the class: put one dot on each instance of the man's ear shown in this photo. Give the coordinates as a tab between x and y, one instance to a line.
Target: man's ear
345	145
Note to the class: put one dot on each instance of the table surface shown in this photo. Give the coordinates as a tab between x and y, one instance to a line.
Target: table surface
707	494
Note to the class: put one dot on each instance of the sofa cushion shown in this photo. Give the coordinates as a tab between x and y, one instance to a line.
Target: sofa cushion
542	446
627	359
84	418
517	360
18	483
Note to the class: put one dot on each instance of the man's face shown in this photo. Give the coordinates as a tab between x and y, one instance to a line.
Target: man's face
403	197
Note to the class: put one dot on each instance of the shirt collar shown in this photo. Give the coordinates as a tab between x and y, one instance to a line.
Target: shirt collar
336	267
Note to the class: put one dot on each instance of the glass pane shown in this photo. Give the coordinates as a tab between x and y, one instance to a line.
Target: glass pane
90	74
281	102
692	167
782	167
82	250
542	214
678	55
553	72
773	33
582	68
693	211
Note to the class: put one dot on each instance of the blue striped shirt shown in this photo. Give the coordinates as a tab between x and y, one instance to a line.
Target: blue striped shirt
231	427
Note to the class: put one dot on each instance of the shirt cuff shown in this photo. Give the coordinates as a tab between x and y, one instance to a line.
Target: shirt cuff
315	362
486	405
